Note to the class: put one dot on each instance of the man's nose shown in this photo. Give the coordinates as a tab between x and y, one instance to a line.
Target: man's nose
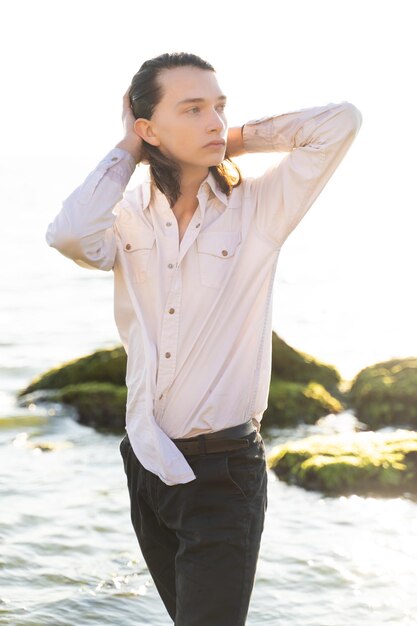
216	121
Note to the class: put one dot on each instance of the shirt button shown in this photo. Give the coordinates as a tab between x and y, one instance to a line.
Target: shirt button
114	158
170	265
160	397
171	311
128	246
168	224
167	354
197	225
224	252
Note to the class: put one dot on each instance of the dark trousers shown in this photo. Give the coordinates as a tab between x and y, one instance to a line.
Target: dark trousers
201	539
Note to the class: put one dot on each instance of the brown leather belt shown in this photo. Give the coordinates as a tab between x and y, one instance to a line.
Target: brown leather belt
217	441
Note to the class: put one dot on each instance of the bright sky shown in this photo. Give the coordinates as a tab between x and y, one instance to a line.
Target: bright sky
66	65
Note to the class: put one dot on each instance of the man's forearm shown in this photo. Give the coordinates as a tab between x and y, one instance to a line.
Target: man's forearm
131	145
319	128
82	229
234	145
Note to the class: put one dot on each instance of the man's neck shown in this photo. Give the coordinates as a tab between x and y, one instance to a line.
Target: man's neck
191	181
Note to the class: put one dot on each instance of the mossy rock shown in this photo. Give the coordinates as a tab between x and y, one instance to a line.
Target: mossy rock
386	393
100	405
306	391
108	365
292	403
296	366
363	463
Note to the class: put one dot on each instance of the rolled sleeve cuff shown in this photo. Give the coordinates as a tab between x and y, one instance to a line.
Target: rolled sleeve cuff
119	160
257	135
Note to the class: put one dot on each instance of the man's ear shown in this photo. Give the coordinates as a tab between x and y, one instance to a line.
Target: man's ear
143	128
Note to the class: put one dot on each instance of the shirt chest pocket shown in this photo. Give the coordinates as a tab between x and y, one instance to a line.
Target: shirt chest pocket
137	249
215	251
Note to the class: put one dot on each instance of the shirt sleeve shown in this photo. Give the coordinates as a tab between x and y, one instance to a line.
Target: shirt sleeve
316	139
83	230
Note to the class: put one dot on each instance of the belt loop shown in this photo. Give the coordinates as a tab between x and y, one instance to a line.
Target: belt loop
202	443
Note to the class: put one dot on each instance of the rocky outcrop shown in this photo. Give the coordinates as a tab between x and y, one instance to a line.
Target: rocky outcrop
106	366
363	463
302	389
385	394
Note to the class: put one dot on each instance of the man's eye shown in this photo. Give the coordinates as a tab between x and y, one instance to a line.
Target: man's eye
194	109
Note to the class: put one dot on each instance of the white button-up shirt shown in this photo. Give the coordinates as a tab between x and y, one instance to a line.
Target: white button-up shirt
195	317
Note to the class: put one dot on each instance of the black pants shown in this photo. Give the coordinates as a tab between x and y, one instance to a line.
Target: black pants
201	539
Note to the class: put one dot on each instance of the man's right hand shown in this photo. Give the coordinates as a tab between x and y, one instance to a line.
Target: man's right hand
131	141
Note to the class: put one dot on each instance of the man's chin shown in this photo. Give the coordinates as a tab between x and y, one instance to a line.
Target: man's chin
207	162
218	160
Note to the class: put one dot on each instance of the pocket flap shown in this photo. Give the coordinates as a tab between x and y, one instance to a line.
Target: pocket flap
138	239
221	244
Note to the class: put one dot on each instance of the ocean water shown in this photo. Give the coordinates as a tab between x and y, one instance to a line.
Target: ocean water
69	554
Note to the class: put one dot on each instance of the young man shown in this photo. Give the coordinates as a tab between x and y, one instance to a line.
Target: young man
194	254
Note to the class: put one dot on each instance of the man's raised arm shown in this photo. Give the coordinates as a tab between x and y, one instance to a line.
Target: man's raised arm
83	229
316	139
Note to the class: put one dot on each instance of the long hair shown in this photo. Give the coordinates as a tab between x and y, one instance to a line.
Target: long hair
145	93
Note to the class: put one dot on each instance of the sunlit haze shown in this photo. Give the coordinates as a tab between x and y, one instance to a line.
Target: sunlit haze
349	267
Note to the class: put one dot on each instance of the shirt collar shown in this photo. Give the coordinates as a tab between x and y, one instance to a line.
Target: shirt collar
208	185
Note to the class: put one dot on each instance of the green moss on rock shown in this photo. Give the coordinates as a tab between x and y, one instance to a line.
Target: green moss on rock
365	463
291	403
302	388
386	393
108	365
101	405
296	366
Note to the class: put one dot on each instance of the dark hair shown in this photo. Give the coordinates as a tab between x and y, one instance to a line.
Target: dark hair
145	93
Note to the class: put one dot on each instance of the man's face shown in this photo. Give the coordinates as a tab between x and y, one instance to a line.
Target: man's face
182	129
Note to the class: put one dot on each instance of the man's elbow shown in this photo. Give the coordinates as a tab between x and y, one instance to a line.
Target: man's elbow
353	118
89	255
63	242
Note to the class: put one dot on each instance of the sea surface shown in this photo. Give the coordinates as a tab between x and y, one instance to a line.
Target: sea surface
69	554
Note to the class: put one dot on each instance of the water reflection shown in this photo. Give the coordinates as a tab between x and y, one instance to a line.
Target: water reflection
70	555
